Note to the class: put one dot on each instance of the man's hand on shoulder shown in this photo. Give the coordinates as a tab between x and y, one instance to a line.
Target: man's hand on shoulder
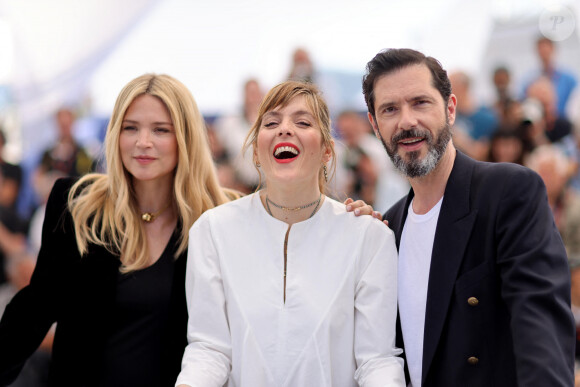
359	207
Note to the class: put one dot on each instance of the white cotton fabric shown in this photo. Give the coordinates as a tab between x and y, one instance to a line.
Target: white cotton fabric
415	253
337	326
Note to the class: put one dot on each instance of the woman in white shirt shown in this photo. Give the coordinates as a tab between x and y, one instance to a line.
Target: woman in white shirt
284	287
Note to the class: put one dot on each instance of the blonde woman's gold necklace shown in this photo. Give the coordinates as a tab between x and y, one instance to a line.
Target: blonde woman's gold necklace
151	216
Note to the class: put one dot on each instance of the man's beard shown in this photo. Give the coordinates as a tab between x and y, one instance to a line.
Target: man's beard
416	167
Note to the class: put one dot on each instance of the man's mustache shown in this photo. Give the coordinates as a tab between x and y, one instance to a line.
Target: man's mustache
411	133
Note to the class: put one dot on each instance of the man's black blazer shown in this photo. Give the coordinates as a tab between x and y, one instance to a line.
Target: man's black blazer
498	300
78	294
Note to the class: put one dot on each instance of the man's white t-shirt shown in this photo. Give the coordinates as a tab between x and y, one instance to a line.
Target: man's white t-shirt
415	252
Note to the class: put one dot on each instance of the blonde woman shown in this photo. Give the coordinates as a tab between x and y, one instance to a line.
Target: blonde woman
284	287
111	267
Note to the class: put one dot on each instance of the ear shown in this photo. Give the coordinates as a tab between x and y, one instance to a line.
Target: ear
327	155
255	156
373	124
451	108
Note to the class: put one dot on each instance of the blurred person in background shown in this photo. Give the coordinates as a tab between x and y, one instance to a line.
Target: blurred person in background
302	68
554	127
474	123
13	228
507	146
222	160
508	108
12	173
231	130
66	155
555	169
501	81
563	81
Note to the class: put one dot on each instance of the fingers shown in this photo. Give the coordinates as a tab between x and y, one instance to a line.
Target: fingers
359	207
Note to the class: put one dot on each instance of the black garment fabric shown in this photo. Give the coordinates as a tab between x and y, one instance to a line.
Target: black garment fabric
141	311
80	295
498	297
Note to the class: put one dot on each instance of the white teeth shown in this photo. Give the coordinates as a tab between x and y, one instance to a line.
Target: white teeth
285	149
412	141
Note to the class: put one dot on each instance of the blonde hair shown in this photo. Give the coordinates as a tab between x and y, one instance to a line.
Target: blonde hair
280	96
103	206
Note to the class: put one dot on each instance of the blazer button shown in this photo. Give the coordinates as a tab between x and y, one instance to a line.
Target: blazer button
472	301
473	360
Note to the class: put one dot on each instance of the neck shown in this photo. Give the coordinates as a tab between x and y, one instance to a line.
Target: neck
291	199
429	189
548	68
153	196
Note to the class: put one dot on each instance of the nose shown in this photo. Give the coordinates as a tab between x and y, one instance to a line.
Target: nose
144	138
285	129
407	118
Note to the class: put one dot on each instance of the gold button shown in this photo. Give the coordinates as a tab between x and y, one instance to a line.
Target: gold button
472	301
473	360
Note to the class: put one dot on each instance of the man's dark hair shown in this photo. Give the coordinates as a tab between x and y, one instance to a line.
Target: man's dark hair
388	61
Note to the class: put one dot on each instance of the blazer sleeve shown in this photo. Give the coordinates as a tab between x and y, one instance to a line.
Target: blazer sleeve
376	312
535	283
207	358
34	309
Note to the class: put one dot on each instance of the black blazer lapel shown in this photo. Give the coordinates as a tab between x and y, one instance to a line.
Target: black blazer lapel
398	215
454	227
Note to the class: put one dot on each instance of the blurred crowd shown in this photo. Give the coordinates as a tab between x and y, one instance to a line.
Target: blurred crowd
534	124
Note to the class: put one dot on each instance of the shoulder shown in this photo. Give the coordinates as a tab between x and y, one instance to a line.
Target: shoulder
467	168
509	173
64	184
230	211
61	189
244	203
566	74
340	218
507	182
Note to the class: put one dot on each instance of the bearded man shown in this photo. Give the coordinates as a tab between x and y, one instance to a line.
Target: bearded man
484	284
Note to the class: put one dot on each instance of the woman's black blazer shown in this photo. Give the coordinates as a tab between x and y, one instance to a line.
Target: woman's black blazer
78	294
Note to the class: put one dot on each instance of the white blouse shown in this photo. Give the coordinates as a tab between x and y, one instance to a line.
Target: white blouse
337	326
